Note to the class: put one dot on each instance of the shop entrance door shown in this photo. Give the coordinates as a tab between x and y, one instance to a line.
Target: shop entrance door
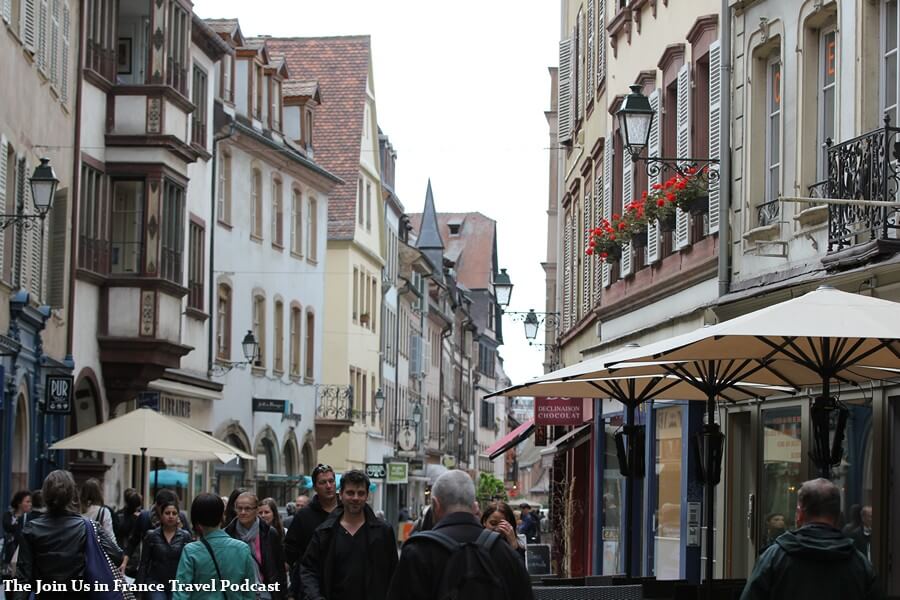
740	529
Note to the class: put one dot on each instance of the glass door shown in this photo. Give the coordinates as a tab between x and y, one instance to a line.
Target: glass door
667	537
741	496
782	472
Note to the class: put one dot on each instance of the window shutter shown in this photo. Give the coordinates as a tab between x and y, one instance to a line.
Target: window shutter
64	59
7	10
4	148
653	237
589	68
683	146
598	215
54	43
715	125
56	275
627	193
577	254
564	91
41	36
567	272
23	237
585	262
29	24
601	41
626	260
607	197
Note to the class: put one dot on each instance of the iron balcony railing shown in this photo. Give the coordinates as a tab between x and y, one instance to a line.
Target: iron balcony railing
864	168
334	402
767	213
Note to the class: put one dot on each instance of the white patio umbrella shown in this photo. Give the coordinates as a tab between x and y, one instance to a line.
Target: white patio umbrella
145	432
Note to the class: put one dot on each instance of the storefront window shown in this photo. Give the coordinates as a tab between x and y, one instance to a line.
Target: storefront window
667	537
782	458
612	501
854	477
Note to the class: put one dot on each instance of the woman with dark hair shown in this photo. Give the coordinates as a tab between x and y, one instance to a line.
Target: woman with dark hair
498	516
13	521
214	556
265	545
268	512
161	550
53	545
93	508
230	512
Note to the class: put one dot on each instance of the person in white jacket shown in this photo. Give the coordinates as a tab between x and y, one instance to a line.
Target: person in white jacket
92	506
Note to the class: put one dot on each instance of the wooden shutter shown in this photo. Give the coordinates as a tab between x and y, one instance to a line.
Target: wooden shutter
43	26
29	24
589	67
715	129
54	43
601	41
567	270
56	254
587	222
7	10
64	59
564	92
683	147
4	148
22	266
598	215
607	197
576	263
653	233
627	193
578	69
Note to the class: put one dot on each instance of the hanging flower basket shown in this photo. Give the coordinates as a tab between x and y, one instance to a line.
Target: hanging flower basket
667	222
639	239
613	256
696	205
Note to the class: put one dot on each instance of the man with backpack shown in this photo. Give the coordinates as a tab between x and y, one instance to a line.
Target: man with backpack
458	558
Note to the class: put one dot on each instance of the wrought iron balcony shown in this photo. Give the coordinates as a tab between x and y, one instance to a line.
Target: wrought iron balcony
767	213
864	168
334	402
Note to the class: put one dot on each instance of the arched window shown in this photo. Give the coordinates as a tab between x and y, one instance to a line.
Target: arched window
223	322
259	329
297	222
277	214
310	344
223	187
296	322
312	232
256	204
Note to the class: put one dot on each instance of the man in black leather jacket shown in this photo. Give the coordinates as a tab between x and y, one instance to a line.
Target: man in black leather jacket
816	561
53	544
307	520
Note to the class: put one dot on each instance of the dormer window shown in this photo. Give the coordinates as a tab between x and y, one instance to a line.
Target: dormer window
275	105
454	228
258	84
308	129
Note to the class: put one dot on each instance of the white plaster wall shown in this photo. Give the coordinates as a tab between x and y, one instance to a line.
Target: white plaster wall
170	318
93	121
176	121
131	115
124	311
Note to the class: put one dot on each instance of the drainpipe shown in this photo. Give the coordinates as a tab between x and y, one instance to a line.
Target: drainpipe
212	245
725	166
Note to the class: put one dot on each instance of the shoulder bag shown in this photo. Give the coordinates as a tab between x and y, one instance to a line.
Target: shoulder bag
212	555
98	568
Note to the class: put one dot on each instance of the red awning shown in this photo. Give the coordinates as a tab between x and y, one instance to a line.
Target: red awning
513	438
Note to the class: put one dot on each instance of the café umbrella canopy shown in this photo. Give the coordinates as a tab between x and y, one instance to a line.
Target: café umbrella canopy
145	432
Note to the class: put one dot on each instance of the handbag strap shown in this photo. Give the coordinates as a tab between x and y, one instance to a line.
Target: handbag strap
215	562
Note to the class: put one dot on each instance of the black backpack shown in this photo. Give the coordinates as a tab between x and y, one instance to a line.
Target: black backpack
469	571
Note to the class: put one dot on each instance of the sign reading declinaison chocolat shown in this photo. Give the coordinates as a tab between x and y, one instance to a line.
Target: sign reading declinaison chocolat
558	411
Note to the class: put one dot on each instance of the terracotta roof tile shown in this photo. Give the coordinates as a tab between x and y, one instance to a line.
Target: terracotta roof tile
293	87
340	65
472	248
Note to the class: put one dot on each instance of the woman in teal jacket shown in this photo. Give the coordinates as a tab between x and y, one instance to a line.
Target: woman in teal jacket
216	566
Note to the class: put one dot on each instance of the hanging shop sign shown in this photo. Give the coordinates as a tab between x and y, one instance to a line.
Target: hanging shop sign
397	473
558	411
375	470
269	405
58	394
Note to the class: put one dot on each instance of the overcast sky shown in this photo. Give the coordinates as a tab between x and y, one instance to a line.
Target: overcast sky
461	89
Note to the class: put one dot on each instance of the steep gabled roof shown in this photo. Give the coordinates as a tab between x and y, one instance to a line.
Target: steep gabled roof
340	65
471	248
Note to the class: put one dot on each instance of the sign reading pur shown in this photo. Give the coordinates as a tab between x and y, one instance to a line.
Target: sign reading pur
558	411
58	395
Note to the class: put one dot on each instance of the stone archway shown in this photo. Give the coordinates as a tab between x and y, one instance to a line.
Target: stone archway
21	444
86	413
236	473
291	455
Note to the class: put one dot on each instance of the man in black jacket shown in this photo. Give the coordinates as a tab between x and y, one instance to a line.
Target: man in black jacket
815	561
307	519
421	565
353	554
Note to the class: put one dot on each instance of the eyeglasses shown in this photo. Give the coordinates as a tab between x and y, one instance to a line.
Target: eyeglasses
245	508
320	468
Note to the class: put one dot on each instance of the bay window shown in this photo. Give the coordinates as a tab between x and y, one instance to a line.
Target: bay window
127	227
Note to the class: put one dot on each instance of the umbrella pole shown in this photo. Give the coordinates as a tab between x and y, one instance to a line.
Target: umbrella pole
144	474
710	491
629	502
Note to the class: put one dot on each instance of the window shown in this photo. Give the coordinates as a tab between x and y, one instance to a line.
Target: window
223	322
279	337
827	85
368	206
373	302
454	228
177	32
355	294
312	230
198	116
259	329
297	222
256	204
309	128
276	105
100	26
361	197
172	233
310	343
93	219
196	265
295	340
277	214
126	235
889	79
226	77
223	187
260	82
773	130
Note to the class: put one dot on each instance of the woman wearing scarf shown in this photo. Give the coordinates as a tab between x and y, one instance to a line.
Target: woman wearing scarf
264	542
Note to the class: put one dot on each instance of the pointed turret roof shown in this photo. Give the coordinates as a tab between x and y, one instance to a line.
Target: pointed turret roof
429	232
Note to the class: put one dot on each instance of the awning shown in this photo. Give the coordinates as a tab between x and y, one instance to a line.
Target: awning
513	438
567	441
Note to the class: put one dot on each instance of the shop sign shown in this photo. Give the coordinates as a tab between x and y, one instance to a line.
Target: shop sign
173	406
537	559
397	473
540	436
558	411
58	395
269	405
375	470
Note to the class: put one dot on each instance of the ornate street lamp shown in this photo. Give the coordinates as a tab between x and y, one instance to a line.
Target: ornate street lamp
417	414
531	325
379	400
43	184
502	288
635	119
250	348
